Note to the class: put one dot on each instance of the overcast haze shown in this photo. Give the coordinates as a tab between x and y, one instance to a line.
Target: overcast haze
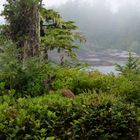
114	4
106	23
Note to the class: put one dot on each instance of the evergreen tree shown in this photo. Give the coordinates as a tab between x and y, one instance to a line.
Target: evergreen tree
59	34
24	22
132	65
29	23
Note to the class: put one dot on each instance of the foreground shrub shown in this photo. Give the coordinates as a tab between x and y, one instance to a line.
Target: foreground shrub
100	117
79	82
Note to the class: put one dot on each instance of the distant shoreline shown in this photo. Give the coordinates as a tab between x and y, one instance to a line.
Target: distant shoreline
108	57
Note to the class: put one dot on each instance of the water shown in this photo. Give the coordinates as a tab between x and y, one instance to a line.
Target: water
105	69
105	60
102	69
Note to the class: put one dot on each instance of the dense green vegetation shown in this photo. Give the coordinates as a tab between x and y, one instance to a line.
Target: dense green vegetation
105	106
32	106
88	116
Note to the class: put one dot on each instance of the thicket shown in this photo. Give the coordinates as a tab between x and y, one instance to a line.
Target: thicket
105	107
88	116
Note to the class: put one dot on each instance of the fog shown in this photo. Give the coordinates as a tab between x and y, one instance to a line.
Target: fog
106	23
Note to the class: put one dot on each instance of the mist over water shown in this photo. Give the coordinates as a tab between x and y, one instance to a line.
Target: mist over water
108	25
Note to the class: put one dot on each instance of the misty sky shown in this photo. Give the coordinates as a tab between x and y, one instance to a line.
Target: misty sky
105	23
48	3
114	5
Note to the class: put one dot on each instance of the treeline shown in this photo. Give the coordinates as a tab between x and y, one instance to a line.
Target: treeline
105	26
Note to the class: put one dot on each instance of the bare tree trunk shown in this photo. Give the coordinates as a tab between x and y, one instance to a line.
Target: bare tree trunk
33	40
28	41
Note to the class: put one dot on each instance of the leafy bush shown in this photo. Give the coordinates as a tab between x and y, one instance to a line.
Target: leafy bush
23	77
80	82
27	79
88	116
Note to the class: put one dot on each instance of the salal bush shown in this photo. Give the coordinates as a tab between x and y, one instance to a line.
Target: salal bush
79	82
88	116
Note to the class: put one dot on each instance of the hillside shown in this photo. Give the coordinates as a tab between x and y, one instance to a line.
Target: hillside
104	26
